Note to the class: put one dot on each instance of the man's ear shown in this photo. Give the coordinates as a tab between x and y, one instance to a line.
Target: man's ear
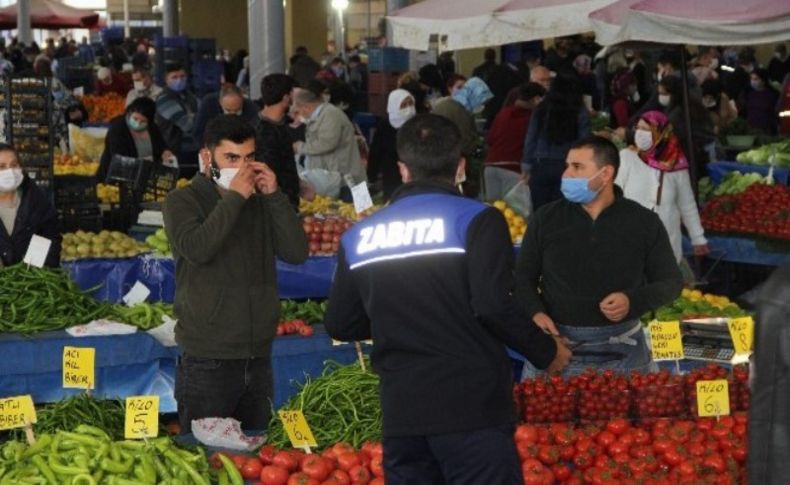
205	160
405	173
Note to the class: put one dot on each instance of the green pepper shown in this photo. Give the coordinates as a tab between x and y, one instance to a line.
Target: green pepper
84	478
43	441
116	467
184	466
45	470
61	469
232	471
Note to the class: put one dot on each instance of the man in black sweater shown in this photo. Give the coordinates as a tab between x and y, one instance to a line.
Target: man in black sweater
433	271
273	138
594	262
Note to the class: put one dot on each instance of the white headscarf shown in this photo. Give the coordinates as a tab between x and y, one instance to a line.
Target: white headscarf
398	116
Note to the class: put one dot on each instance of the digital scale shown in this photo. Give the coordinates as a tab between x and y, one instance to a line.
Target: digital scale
707	339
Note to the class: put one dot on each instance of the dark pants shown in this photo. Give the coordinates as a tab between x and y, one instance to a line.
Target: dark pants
545	180
486	456
233	388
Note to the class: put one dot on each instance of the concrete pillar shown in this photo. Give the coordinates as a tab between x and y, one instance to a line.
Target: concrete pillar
170	18
24	32
306	25
126	28
266	24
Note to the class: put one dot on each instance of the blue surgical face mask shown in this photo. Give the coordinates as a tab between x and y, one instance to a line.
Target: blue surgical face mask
177	85
577	189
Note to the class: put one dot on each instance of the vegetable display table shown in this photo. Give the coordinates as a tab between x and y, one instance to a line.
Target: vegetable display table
717	171
115	277
137	364
740	250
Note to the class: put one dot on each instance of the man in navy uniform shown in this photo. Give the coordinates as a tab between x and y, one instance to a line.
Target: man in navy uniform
433	272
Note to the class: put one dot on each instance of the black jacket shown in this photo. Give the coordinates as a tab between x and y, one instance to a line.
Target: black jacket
274	146
383	158
210	108
119	141
440	320
769	415
36	215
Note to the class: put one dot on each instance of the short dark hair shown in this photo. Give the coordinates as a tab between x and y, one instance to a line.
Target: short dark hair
145	106
604	151
5	147
529	90
454	78
173	67
490	54
274	87
671	58
227	127
430	145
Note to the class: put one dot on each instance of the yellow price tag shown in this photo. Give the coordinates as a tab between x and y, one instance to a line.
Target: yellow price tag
298	431
79	364
666	342
713	398
17	412
742	333
142	417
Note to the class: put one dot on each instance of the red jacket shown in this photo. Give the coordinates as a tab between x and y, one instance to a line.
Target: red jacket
118	86
506	137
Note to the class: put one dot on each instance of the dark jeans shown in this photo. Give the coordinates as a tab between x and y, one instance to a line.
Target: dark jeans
485	456
233	388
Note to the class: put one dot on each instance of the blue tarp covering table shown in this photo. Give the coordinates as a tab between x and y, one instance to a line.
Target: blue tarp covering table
740	250
115	277
717	171
137	364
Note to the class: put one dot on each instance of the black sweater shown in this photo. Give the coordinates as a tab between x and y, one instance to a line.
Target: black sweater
274	146
575	262
119	141
440	326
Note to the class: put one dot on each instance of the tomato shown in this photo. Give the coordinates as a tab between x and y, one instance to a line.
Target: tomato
567	452
347	461
377	481
377	466
306	331
315	467
534	473
582	461
526	433
641	437
285	460
617	448
672	457
548	455
266	454
340	448
715	463
341	477
302	479
561	472
662	446
359	475
251	468
605	438
618	426
238	460
273	475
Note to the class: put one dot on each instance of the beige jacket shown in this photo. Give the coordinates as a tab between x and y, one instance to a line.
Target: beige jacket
330	144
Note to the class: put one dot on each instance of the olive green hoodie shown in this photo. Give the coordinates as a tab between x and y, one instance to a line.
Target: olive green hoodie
224	247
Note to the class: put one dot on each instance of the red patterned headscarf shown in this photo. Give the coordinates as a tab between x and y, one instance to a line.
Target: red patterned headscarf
666	153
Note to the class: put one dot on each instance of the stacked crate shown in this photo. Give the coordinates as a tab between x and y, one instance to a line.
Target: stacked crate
385	65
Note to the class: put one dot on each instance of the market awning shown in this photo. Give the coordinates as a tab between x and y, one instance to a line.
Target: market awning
50	14
464	24
703	22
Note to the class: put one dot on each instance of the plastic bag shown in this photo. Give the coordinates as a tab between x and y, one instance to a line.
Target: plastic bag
87	142
519	199
224	433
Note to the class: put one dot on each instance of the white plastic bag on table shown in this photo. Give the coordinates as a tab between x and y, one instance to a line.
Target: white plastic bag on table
519	199
224	433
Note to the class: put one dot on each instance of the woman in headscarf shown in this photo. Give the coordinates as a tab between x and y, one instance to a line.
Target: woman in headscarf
624	90
461	108
654	172
383	149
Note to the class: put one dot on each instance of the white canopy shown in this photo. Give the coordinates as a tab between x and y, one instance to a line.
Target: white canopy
464	24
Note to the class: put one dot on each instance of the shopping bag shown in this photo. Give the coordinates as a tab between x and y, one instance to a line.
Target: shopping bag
519	199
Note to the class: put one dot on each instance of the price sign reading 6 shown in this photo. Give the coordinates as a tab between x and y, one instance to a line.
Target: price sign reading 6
713	398
142	417
297	429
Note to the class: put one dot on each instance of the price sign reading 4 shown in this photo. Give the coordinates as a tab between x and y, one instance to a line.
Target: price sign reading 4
713	398
142	417
17	412
79	367
742	333
298	431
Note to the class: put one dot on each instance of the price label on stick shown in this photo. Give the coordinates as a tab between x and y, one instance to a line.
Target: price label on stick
138	294
142	417
742	333
37	251
297	428
361	196
17	412
79	367
666	342
713	398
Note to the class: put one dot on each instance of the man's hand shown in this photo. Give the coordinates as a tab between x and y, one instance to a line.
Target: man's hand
297	146
244	181
701	250
615	306
265	179
545	323
561	359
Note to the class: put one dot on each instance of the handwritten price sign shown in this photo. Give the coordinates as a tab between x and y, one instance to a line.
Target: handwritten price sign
17	412
666	342
742	333
79	365
713	398
298	431
142	417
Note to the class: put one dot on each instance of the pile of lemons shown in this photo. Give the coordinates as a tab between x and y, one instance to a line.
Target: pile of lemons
515	223
717	301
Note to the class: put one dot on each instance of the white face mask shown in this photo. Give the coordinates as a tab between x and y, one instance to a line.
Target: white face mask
663	100
643	139
403	115
10	179
139	86
226	175
708	102
326	97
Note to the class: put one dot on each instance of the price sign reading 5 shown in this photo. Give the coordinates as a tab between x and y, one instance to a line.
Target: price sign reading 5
742	333
297	428
142	417
713	398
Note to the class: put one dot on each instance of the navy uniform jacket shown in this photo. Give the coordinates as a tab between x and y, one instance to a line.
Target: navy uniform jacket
433	272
